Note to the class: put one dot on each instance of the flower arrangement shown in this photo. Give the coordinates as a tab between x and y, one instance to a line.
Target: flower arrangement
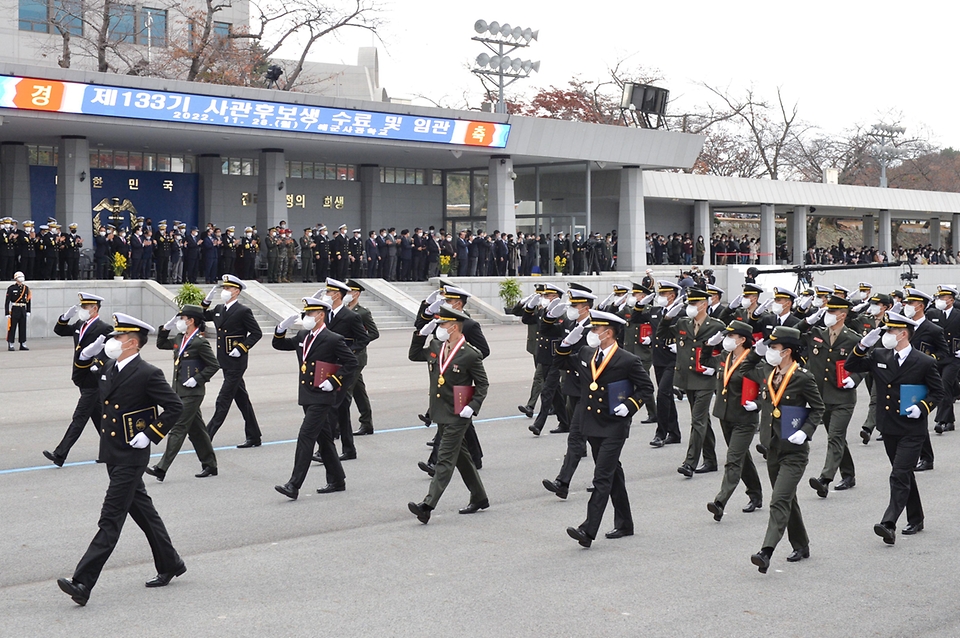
560	263
444	264
119	264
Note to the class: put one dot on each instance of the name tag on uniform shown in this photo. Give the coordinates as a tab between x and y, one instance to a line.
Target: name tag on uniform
103	377
583	363
882	365
217	315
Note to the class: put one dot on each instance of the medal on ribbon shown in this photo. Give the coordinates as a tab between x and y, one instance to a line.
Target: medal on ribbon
445	362
596	372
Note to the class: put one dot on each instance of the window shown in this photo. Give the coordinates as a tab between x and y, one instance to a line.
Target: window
51	16
414	176
222	29
153	27
123	23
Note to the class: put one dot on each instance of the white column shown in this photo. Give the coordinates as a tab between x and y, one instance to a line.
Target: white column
869	230
632	224
701	226
798	239
886	238
501	202
15	182
768	234
955	233
271	189
935	233
73	186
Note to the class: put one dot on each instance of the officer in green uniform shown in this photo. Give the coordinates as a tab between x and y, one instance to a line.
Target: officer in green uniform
538	370
360	397
738	418
743	306
827	349
870	318
694	374
273	256
784	383
632	307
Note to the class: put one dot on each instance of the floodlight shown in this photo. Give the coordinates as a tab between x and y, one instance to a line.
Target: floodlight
480	26
483	60
535	66
535	35
506	29
516	64
495	62
494	28
505	62
517	33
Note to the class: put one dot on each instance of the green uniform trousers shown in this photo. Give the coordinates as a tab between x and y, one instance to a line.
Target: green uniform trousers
538	374
836	418
786	468
454	453
190	425
739	465
702	438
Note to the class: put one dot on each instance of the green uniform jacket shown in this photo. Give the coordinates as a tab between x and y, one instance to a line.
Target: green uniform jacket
465	369
372	331
198	349
862	323
687	378
801	391
822	362
727	405
517	311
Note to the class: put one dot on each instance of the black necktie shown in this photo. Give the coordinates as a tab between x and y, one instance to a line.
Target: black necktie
114	371
599	356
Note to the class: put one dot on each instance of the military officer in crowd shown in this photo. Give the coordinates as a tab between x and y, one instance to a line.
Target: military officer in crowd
458	385
629	308
775	365
373	333
664	346
611	382
738	417
194	364
539	370
139	408
86	330
744	306
306	254
327	366
547	311
904	428
944	316
777	311
867	320
237	332
717	308
16	308
321	254
694	374
827	351
272	242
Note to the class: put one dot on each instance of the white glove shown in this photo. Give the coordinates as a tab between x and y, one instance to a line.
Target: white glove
860	307
556	308
573	336
71	311
428	329
211	295
631	301
672	348
190	383
28	315
170	325
913	412
235	353
815	317
645	341
675	309
621	410
761	348
433	296
763	307
871	338
93	349
326	386
735	303
434	307
957	354
897	308
646	301
849	383
523	302
287	323
805	303
466	412
140	441
750	406
606	301
709	372
798	437
716	339
532	302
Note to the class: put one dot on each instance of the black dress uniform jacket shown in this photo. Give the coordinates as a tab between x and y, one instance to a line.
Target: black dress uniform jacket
951	329
596	419
329	347
928	339
349	325
236	328
661	342
82	376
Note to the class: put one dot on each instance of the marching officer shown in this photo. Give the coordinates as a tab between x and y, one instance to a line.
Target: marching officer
139	407
664	347
16	307
632	307
532	335
327	366
88	330
717	307
944	316
546	311
194	364
777	311
237	332
373	333
870	318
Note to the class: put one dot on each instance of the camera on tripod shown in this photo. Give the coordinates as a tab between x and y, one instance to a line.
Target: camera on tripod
909	276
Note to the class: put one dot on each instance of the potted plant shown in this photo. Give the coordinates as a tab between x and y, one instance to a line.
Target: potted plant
189	294
510	293
119	266
445	264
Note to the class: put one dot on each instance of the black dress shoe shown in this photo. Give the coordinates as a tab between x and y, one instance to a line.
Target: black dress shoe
288	490
317	458
348	456
910	530
23	347
845	484
938	428
686	470
207	471
580	536
421	511
923	466
156	471
426	467
527	411
591	489
58	461
865	435
715	508
762	560
704	469
650	419
78	592
556	487
671	440
821	485
616	532
752	506
761	450
534	429
949	427
330	488
798	555
473	508
10	347
888	534
559	431
430	443
249	443
363	432
162	580
426	420
657	442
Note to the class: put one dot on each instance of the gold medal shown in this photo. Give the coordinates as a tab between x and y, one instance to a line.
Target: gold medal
303	368
176	361
594	386
440	381
724	391
776	413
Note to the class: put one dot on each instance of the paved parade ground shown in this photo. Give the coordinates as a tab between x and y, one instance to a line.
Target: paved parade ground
358	563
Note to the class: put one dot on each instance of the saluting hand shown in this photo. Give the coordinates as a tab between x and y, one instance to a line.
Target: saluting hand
556	308
871	338
428	328
715	339
646	301
71	311
211	295
285	325
815	317
170	325
93	349
735	303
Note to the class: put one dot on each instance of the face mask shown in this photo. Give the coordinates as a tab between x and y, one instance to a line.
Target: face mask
113	348
889	341
181	325
661	301
773	357
442	334
593	339
829	320
309	322
874	309
729	344
573	314
327	299
777	308
941	304
348	299
103	234
83	315
226	296
19	280
249	235
544	302
909	311
692	311
818	302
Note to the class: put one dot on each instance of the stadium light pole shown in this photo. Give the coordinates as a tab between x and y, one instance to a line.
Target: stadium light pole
885	150
500	68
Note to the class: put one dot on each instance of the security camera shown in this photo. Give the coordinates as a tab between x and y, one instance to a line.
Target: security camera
513	176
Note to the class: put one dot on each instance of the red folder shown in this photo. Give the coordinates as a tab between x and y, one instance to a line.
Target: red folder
698	365
749	392
322	370
462	396
841	373
646	330
757	336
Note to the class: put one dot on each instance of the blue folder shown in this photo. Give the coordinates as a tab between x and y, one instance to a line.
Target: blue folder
792	418
911	395
619	392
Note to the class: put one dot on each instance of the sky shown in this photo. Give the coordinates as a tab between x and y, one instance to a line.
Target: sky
844	62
